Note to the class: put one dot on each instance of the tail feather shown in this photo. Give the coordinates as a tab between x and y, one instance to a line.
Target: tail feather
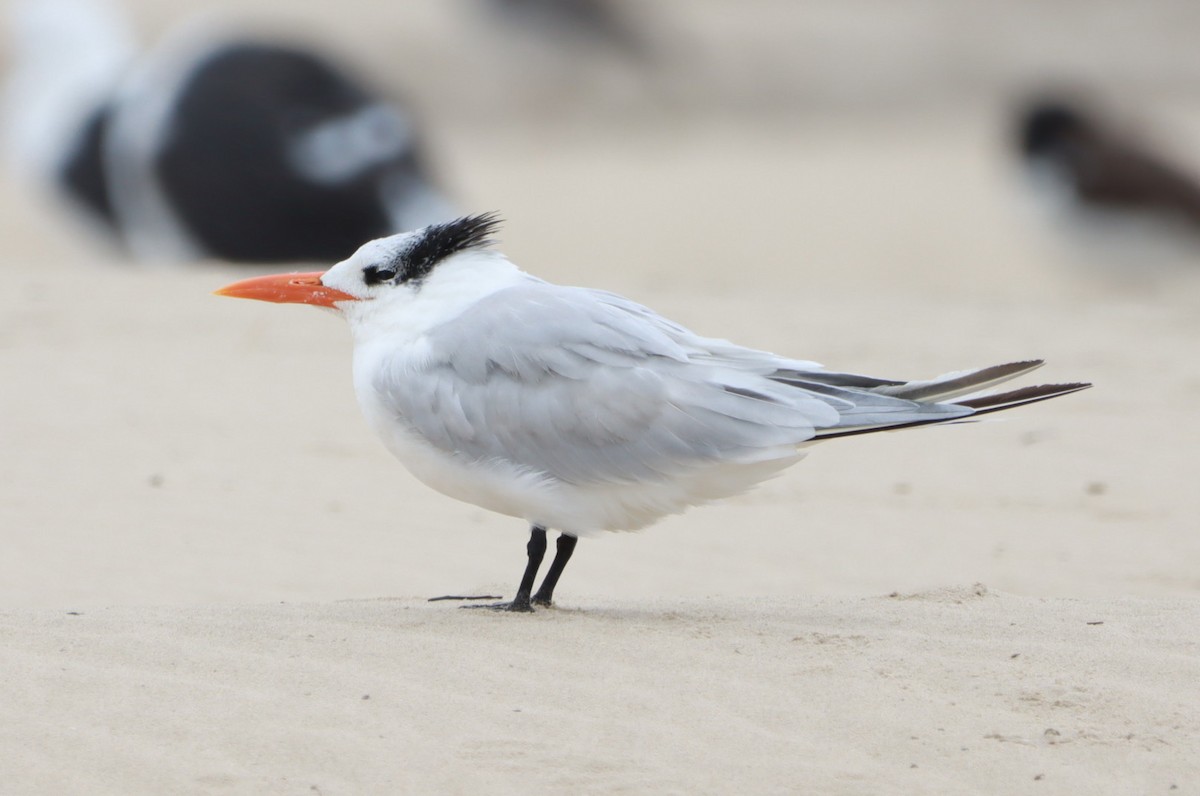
953	385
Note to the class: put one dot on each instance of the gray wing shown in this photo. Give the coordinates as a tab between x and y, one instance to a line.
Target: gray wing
587	387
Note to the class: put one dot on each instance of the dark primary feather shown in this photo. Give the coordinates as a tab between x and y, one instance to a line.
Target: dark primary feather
1021	396
981	406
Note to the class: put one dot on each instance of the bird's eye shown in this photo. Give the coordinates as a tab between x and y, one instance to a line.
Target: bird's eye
375	276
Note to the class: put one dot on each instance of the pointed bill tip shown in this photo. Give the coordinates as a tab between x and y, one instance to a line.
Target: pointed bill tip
298	288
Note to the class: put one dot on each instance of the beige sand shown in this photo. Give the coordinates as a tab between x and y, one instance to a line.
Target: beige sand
214	578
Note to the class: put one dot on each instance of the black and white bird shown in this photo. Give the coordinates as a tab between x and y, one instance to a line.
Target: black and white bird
579	410
1100	179
211	145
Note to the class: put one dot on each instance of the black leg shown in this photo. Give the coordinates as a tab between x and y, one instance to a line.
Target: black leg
536	549
564	548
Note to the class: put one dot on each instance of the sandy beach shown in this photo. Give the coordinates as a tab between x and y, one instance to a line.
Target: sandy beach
215	578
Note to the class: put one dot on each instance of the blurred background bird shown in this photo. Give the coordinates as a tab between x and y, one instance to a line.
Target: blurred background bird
1111	188
598	24
212	144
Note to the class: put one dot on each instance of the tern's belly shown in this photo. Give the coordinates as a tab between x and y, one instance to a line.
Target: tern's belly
578	509
492	486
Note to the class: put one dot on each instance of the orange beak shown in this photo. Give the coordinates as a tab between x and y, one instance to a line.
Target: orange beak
286	289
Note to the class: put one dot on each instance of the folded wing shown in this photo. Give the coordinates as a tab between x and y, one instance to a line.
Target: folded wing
585	387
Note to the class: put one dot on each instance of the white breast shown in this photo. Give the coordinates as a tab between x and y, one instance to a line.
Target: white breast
494	486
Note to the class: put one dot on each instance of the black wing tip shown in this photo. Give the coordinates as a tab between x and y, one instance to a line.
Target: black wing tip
1023	395
1015	368
982	405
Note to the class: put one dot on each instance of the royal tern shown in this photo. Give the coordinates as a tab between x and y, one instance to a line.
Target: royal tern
579	410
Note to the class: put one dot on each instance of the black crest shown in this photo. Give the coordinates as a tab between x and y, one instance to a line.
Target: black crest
439	241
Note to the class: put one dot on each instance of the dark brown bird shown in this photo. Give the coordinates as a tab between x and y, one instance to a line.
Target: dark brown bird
1091	163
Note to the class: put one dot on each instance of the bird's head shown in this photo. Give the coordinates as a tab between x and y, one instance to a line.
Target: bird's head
1048	125
380	269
